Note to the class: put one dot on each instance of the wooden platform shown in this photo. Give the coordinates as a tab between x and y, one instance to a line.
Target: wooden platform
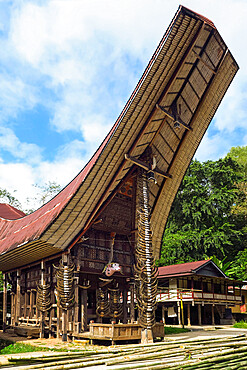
27	331
118	332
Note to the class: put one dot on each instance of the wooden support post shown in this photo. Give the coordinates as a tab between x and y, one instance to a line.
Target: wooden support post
18	297
147	336
4	302
25	304
199	314
125	311
42	314
51	333
132	303
213	321
13	307
179	314
64	326
31	304
76	311
58	320
84	310
163	314
188	314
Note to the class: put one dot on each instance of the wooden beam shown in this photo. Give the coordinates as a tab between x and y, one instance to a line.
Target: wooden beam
176	120
146	167
203	62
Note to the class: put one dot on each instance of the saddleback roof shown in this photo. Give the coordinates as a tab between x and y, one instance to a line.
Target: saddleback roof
169	111
204	267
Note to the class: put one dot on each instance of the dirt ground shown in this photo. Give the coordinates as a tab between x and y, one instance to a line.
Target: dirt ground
196	332
44	342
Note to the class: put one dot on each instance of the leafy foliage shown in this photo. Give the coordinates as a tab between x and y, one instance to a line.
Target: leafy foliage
201	222
241	324
224	266
46	192
6	197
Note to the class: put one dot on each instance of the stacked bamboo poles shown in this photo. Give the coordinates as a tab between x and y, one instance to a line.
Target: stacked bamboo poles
145	269
212	353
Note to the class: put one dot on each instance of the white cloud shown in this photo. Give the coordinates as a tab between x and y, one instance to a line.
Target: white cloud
15	95
10	142
212	147
81	59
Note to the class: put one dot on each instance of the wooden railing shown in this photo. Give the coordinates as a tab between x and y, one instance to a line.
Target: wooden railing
176	294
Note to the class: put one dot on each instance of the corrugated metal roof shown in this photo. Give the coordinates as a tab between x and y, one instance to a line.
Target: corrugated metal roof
9	212
192	69
182	268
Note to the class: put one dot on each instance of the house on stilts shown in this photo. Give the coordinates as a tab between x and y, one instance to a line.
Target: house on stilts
84	261
197	293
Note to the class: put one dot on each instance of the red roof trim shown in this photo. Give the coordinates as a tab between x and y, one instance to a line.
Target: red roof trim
191	13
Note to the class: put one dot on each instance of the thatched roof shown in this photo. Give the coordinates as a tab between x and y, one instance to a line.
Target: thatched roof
184	84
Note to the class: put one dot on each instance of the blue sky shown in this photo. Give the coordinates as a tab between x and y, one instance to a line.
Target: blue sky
67	67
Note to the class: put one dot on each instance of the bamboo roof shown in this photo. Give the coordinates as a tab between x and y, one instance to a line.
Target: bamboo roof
182	85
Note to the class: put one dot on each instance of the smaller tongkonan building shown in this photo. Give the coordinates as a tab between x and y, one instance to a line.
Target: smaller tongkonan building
201	290
89	253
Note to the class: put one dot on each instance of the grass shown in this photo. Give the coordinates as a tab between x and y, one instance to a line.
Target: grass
20	348
173	330
240	325
4	343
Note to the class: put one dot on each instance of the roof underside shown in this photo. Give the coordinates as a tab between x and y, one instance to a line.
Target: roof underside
186	78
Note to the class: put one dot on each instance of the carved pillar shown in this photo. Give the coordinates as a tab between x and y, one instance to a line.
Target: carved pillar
4	302
65	312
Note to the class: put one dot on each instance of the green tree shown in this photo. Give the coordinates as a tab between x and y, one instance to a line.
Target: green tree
201	222
239	154
45	193
7	197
